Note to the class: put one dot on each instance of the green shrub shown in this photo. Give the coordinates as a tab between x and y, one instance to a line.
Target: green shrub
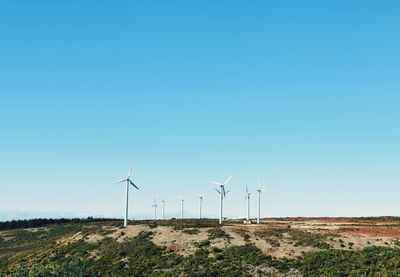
371	261
193	231
309	239
218	233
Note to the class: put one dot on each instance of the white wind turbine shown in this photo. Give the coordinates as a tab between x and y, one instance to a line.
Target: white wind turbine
259	201
155	209
247	197
163	209
182	202
222	194
128	181
201	204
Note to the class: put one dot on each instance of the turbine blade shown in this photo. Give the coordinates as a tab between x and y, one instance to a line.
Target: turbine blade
130	171
227	180
218	191
247	190
216	183
120	181
133	184
223	191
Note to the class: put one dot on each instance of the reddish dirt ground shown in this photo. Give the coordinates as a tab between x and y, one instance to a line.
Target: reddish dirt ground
340	226
387	220
374	231
311	219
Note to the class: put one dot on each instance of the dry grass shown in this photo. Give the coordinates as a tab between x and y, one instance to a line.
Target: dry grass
336	234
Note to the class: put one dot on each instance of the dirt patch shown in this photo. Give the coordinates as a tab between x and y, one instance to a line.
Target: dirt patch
128	232
236	238
350	220
93	238
178	241
7	237
95	254
282	248
71	239
276	246
374	232
360	242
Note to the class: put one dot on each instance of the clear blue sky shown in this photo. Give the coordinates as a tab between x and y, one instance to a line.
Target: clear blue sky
304	95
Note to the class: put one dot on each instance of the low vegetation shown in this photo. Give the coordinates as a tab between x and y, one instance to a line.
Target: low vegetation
371	261
218	233
302	238
65	250
297	237
192	231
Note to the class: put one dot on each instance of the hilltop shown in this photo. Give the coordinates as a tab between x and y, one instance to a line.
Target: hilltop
277	247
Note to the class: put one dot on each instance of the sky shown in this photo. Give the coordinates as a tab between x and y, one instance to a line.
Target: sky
302	95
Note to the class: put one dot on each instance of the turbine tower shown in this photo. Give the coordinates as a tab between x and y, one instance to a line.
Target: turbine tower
201	204
222	194
163	209
247	197
182	200
155	209
259	201
128	181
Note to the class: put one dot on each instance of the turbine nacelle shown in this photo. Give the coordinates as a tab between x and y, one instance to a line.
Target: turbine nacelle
259	187
222	186
128	179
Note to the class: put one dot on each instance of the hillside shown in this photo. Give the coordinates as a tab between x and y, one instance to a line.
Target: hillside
277	247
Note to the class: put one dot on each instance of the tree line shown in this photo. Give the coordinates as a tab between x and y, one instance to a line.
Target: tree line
40	222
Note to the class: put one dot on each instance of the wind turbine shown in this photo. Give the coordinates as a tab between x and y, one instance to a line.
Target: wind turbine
182	200
155	209
259	200
222	194
201	204
247	197
163	209
128	181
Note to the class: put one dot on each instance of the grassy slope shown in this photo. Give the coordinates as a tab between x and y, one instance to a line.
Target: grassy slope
37	253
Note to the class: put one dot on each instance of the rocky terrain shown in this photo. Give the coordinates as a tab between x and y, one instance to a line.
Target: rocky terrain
276	247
